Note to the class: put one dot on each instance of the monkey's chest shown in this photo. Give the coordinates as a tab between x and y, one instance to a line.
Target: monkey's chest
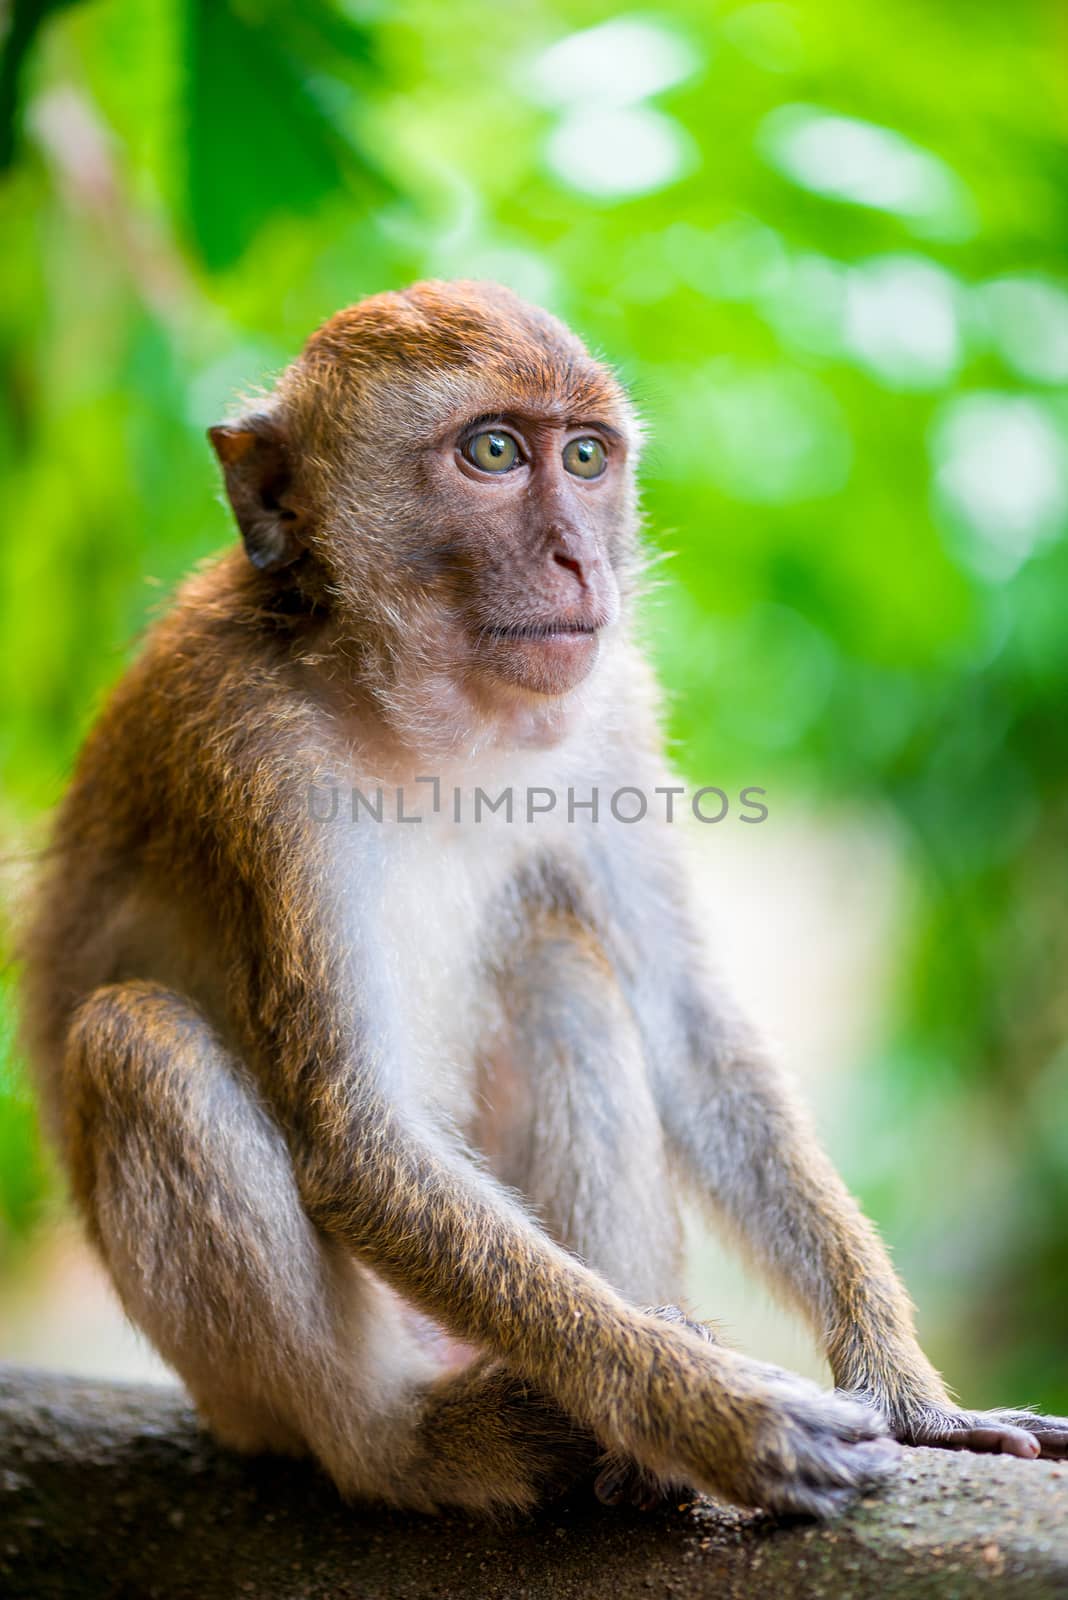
440	914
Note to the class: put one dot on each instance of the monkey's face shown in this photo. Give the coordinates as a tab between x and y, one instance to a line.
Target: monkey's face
526	540
501	460
459	473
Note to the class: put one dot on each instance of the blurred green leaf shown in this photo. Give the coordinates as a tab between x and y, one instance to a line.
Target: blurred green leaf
261	138
24	21
23	1178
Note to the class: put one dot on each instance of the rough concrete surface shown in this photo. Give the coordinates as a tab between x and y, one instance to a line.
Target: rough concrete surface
112	1491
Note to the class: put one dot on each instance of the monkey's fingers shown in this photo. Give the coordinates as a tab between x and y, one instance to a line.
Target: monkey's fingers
1050	1433
1053	1443
999	1440
1025	1434
828	1486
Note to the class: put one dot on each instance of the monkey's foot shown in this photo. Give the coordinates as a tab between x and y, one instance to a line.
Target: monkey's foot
1005	1432
622	1482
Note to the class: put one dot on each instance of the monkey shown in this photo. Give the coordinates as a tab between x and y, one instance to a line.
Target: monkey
382	1129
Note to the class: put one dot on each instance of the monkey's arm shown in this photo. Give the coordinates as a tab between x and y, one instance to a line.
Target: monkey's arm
752	1151
452	1242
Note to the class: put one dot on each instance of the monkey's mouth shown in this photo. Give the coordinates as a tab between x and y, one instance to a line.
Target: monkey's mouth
548	658
546	630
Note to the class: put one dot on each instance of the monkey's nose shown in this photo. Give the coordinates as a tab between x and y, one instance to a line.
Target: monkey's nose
562	559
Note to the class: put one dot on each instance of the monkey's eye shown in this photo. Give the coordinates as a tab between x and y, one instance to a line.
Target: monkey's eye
492	452
585	458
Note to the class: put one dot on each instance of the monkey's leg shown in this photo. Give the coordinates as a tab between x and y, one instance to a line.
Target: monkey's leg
282	1340
587	1148
753	1152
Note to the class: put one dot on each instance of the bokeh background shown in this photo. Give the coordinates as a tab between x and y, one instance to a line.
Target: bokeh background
825	244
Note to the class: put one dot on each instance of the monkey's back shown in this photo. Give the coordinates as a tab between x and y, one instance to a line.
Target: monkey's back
121	889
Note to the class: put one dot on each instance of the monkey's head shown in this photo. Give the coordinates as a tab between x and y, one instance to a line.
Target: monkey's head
451	473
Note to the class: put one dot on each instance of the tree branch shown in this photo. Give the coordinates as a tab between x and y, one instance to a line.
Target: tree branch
109	1490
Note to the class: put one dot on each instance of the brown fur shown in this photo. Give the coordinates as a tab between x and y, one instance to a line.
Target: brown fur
316	1085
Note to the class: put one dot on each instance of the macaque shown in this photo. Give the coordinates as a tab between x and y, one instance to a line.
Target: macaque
380	1127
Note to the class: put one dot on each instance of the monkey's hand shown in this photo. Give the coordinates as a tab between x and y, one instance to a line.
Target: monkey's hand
1005	1432
756	1435
801	1449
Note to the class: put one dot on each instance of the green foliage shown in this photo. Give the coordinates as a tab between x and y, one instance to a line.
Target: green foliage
22	1169
826	245
262	136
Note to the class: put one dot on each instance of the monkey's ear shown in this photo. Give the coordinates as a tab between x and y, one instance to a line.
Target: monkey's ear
255	463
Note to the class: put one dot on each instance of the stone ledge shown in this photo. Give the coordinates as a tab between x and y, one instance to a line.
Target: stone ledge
109	1490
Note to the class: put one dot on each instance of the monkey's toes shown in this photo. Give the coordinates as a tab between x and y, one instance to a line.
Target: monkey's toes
622	1482
674	1314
